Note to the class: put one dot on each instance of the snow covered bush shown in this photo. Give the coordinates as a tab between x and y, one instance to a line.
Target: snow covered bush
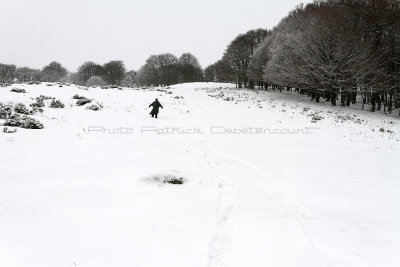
16	120
76	96
21	109
83	101
9	130
5	110
39	103
55	103
18	90
43	97
94	107
95	81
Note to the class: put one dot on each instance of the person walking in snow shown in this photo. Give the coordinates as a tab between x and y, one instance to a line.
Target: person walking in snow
156	106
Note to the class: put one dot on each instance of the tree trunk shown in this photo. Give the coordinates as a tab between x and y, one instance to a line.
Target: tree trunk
363	100
343	99
317	96
348	99
327	97
373	103
333	98
251	84
353	97
379	100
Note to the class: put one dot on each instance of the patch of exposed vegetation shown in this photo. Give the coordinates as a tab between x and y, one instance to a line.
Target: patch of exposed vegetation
18	90
55	103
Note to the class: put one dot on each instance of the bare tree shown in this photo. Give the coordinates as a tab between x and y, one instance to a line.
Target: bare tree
240	50
159	70
130	79
168	70
189	69
7	73
53	72
114	72
89	69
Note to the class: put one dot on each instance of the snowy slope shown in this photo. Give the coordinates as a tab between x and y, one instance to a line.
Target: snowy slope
75	194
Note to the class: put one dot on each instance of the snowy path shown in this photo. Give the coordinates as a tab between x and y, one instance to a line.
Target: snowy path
73	198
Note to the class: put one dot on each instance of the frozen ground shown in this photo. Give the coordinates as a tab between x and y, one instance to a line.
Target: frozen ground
73	194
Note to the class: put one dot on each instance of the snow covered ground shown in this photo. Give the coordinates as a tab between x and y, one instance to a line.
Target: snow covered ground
270	179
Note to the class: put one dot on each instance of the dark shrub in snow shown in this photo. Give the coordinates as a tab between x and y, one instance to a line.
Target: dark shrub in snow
168	179
24	121
43	97
173	180
9	130
55	103
5	110
21	109
76	96
36	110
111	87
94	107
83	101
38	104
33	82
18	90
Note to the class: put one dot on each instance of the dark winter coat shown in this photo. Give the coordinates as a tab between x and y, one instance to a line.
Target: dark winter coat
156	106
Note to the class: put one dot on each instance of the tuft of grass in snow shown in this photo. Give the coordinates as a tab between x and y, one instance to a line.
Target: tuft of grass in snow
168	179
18	90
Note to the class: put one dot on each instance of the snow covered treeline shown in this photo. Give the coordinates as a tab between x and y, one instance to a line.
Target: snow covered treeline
163	69
112	72
325	49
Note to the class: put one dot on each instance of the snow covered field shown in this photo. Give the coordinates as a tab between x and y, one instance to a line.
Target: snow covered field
270	179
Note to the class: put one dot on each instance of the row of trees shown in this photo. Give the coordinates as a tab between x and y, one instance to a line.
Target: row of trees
10	73
164	69
167	69
336	48
330	48
50	73
89	73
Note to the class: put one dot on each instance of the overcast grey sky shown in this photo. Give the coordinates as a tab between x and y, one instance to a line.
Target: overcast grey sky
36	32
